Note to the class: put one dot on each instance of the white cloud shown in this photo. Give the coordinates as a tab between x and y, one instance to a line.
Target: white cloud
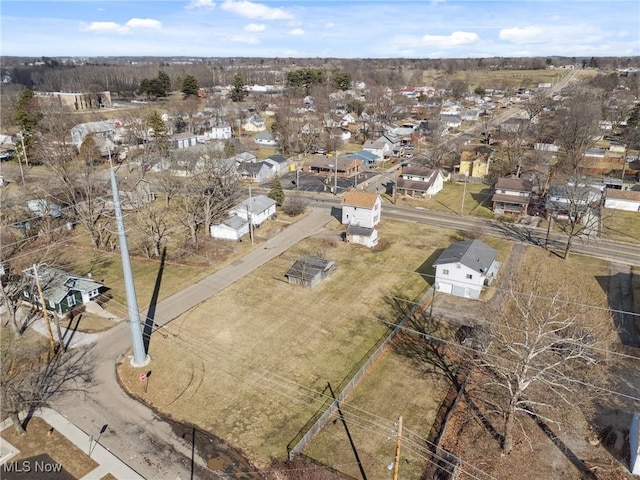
517	35
100	9
143	23
296	31
248	39
206	4
456	39
256	10
329	25
113	27
255	27
106	27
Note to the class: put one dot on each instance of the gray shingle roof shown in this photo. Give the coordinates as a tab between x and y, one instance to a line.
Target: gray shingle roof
471	253
360	231
258	204
56	283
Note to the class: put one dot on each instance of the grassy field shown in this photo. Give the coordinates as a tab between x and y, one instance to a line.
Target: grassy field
510	78
621	225
41	439
259	362
477	200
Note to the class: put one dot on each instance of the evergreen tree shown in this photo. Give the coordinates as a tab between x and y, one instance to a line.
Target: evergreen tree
26	116
229	149
160	134
190	85
239	91
277	193
164	81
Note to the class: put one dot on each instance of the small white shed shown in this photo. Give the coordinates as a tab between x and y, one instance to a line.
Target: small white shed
233	228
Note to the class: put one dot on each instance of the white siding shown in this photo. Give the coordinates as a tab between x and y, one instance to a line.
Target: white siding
453	278
225	232
363	217
619	204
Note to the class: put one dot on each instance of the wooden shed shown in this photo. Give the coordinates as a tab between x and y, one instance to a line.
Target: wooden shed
309	271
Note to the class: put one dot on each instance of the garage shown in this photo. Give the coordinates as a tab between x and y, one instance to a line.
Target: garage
445	287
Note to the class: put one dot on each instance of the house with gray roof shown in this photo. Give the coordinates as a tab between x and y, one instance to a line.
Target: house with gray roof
256	172
62	291
232	228
464	268
258	208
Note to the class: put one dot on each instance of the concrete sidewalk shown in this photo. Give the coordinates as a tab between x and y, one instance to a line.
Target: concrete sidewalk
108	462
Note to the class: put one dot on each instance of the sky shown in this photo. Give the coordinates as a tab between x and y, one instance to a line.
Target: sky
321	28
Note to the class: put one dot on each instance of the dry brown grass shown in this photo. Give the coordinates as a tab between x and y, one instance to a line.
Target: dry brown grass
249	363
621	225
42	439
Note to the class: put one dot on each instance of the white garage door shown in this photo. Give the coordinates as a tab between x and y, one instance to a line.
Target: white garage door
445	287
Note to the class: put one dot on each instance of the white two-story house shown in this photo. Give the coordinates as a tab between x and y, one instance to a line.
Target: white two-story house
361	209
465	267
422	181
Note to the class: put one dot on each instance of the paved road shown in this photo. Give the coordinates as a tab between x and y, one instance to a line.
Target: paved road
624	253
135	434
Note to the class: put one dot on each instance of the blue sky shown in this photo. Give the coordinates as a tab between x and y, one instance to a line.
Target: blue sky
325	28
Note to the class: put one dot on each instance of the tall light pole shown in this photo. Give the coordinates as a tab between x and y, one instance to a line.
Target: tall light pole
140	357
464	192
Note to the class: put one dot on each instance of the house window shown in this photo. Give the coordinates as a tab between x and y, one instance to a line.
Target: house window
71	300
445	271
469	276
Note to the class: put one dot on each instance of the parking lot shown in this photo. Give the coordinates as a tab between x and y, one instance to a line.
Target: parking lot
317	183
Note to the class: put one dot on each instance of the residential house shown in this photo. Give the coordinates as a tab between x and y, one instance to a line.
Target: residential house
278	163
220	131
450	120
232	228
254	124
309	271
572	199
246	157
378	148
469	114
361	208
342	166
368	159
361	236
514	125
546	147
259	208
511	196
340	132
183	140
422	181
62	291
475	163
464	268
617	199
104	128
265	139
256	172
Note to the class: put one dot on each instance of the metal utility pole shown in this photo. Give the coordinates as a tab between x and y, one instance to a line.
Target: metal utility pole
45	312
250	216
335	177
140	357
396	461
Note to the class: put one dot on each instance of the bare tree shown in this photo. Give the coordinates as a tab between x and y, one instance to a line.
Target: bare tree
576	129
31	378
541	345
513	145
12	285
576	207
153	223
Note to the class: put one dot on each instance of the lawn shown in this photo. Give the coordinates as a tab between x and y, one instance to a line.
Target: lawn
477	200
48	445
510	78
621	225
370	415
259	354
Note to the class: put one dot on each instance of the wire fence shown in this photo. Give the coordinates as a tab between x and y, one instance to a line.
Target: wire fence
322	416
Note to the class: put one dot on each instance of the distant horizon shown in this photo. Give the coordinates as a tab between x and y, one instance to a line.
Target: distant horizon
364	29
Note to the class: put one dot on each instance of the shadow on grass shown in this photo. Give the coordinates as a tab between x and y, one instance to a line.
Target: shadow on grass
149	321
567	452
426	270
